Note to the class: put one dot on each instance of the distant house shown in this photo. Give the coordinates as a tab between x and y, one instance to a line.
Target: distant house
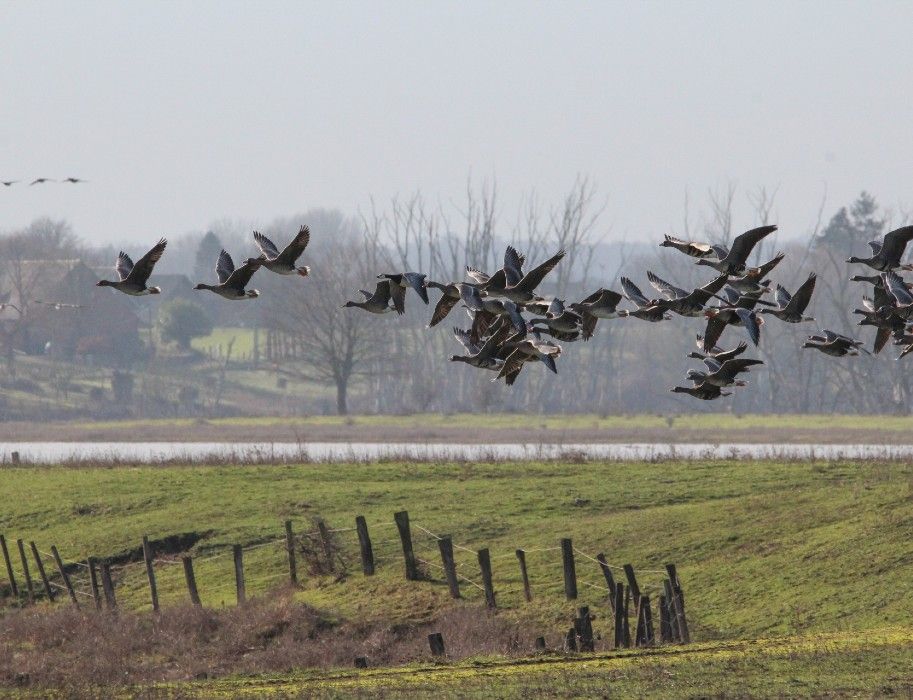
105	327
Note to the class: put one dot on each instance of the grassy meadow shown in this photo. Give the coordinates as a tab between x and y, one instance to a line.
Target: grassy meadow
765	550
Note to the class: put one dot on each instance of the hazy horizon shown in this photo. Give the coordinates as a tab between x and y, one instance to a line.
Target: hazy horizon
182	114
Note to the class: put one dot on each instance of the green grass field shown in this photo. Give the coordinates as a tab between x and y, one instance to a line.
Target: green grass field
764	549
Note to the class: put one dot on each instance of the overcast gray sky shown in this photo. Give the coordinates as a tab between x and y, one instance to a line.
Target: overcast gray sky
182	113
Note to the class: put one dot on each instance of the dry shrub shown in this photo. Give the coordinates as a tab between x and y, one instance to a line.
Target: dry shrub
68	648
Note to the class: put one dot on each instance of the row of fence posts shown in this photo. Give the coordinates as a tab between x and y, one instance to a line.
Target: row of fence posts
673	625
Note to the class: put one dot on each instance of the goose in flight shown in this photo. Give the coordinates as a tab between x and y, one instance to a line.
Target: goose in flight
522	291
8	183
887	254
74	180
132	277
376	303
681	301
232	282
704	391
733	263
602	303
401	281
691	248
835	344
284	263
41	181
791	307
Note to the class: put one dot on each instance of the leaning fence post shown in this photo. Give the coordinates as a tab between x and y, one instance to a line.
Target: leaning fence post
64	575
527	592
570	571
485	566
619	615
93	580
327	546
191	580
108	585
150	573
632	584
9	567
238	555
405	535
290	546
678	603
445	545
41	571
609	579
364	543
25	571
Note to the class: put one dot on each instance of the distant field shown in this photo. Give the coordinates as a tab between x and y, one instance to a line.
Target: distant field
820	552
218	341
485	428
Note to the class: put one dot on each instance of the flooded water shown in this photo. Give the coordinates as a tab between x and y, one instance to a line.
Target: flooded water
56	452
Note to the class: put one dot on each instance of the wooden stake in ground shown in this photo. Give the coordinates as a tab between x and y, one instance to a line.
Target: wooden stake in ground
405	536
436	642
25	571
327	545
238	556
63	574
107	583
445	545
527	591
93	580
9	567
191	580
364	543
619	615
485	567
570	570
290	547
150	574
609	579
41	571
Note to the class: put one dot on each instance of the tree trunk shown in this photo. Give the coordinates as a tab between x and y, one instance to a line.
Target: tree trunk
342	387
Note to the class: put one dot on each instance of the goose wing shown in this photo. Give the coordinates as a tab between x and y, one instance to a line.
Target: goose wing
465	339
416	280
532	278
703	294
123	266
241	276
803	295
897	288
225	266
761	271
476	275
266	246
398	294
750	321
444	306
381	293
744	243
143	267
294	249
633	293
669	291
513	265
782	297
895	243
712	333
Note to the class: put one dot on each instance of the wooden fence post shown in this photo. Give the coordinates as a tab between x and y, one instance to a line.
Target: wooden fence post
364	543
570	640
290	546
570	571
25	571
619	614
361	662
632	584
41	571
678	603
646	613
445	545
191	580
485	566
14	458
540	644
436	642
327	545
405	535
9	567
64	575
675	631
238	555
150	573
527	592
108	585
93	580
609	579
584	627
626	619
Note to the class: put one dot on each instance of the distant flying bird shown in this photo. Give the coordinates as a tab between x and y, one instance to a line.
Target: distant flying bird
41	181
284	263
132	277
232	282
74	180
7	183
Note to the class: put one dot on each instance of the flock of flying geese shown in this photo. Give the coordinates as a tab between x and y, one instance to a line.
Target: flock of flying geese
42	180
502	340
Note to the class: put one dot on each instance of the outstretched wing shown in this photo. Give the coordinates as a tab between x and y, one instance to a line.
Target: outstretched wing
225	266
266	246
782	297
898	289
294	249
143	268
632	291
803	295
465	340
745	243
240	277
398	293
532	278
476	275
712	333
123	266
895	243
668	290
381	293
443	308
416	280
513	265
750	321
